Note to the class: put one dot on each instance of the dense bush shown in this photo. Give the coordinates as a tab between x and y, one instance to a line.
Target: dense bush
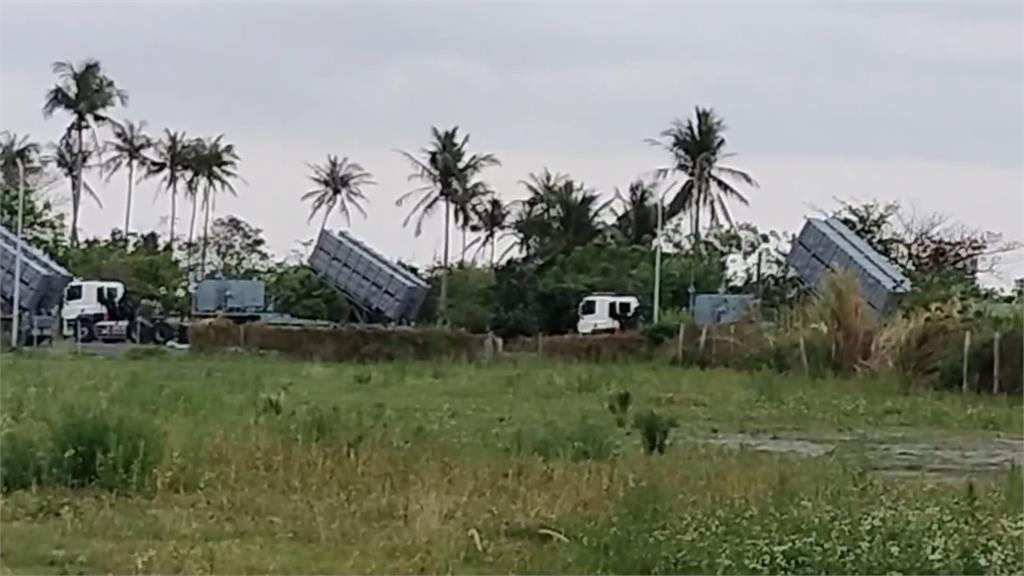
116	452
20	461
111	451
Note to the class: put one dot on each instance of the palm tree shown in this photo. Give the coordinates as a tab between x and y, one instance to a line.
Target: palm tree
129	148
170	163
465	205
447	171
16	149
85	93
637	221
491	218
339	183
563	214
696	147
212	165
71	162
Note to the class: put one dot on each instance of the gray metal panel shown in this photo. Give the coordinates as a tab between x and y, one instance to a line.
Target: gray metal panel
828	245
369	280
42	279
709	309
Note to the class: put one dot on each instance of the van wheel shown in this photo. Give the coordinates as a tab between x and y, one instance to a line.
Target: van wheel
162	333
86	330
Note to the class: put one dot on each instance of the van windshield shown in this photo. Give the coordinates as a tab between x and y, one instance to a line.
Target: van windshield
73	293
588	307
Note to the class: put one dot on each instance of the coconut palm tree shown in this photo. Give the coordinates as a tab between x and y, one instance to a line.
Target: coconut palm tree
128	148
339	183
212	165
170	164
697	146
637	220
447	171
86	93
71	162
490	219
465	205
563	214
16	149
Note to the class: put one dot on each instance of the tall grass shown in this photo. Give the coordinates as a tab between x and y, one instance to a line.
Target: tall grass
276	466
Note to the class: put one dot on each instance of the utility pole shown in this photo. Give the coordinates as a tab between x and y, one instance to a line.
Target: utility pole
16	310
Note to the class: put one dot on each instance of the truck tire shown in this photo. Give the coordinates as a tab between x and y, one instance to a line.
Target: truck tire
162	333
86	330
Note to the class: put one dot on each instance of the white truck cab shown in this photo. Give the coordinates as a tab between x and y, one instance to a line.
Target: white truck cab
83	299
602	312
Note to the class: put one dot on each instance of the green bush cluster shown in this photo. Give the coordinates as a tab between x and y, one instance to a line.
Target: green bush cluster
82	449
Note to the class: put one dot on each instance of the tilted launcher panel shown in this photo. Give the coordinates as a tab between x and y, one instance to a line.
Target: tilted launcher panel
825	246
372	283
42	279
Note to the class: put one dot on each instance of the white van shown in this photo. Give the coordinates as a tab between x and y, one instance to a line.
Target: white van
604	312
83	305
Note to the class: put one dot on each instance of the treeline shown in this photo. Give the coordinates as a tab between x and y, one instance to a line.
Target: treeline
520	267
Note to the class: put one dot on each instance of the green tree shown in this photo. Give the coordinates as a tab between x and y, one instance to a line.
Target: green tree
86	93
559	215
237	249
128	150
490	221
447	171
170	164
636	220
339	184
294	289
42	225
697	146
212	165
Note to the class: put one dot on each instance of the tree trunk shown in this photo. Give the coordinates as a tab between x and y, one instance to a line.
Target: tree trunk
462	258
76	192
494	240
206	230
191	235
128	202
442	309
174	197
323	225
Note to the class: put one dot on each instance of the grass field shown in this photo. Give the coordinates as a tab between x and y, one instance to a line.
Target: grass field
259	464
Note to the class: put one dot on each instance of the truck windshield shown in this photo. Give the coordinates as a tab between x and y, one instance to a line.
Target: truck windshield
73	293
588	307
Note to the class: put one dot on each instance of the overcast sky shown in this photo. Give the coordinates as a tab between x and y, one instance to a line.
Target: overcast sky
917	102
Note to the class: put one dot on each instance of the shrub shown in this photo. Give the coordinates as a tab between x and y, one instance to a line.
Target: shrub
618	405
586	440
114	452
20	462
654	429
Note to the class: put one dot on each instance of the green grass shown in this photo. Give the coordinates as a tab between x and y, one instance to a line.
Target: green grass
271	465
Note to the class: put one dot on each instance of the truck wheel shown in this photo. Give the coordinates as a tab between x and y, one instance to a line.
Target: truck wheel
162	333
86	330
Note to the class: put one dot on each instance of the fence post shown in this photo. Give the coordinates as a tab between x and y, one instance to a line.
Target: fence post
995	362
967	349
703	338
803	357
679	345
732	341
